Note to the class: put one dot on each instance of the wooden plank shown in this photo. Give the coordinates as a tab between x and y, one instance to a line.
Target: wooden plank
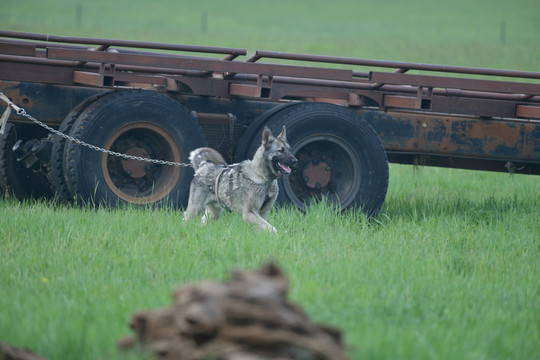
88	78
245	90
406	102
527	111
10	48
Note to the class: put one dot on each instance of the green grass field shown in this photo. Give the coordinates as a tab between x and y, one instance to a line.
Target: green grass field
449	269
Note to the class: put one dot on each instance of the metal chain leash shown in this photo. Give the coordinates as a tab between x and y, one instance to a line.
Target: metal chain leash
22	112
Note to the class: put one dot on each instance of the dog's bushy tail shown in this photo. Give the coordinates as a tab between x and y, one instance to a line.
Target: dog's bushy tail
198	156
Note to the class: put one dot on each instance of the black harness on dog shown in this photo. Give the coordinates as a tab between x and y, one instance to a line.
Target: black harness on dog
216	184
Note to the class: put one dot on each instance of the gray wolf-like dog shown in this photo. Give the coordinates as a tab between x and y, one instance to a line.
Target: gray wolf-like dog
249	188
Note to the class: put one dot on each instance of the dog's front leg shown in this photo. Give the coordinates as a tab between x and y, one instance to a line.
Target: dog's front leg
269	202
212	212
265	210
191	211
255	219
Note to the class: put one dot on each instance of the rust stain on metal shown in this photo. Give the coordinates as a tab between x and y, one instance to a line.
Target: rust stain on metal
446	135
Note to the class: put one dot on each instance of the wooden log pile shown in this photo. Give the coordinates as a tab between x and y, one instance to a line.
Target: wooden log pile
245	318
10	352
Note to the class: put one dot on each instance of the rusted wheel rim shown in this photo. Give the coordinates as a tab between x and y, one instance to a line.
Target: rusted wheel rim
327	167
135	181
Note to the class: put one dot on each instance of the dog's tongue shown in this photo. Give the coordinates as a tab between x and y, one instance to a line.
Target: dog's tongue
285	168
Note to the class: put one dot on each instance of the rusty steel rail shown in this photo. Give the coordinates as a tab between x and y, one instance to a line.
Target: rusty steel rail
62	60
451	116
404	66
121	43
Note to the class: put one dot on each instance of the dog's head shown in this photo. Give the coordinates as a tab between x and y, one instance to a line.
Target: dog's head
277	152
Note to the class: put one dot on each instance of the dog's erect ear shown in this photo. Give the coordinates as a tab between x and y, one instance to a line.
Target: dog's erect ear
283	134
267	135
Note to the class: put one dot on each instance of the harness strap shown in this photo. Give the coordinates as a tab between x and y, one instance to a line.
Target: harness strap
216	186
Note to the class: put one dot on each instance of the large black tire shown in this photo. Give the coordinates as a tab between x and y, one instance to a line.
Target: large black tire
246	140
340	157
15	178
139	123
58	178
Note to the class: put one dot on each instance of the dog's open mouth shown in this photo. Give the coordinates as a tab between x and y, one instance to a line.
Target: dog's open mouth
284	168
283	165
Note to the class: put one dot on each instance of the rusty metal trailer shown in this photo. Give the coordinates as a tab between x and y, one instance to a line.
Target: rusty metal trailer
346	118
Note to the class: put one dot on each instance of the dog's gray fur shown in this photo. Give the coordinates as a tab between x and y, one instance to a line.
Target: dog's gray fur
249	188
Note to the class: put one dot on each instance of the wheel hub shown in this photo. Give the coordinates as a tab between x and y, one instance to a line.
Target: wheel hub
137	181
135	168
329	168
316	174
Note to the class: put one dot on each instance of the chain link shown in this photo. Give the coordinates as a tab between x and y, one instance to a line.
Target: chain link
22	112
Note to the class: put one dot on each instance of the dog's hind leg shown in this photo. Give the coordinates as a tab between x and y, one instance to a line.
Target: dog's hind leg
195	203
